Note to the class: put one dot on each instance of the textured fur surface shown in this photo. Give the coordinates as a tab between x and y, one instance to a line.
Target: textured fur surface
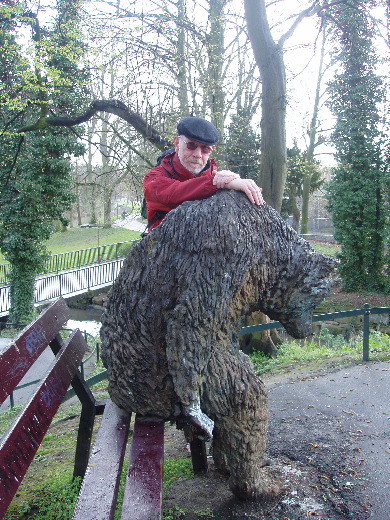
170	331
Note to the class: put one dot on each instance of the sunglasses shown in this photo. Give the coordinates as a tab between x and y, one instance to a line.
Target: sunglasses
193	146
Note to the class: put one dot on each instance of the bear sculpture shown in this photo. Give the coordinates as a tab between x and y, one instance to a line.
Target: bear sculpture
171	328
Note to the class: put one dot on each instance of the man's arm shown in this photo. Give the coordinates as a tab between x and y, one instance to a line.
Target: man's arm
249	187
225	179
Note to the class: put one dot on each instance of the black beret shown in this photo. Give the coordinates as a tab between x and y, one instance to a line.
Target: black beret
199	130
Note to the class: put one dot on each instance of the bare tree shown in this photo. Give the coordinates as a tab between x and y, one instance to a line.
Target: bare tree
313	142
270	61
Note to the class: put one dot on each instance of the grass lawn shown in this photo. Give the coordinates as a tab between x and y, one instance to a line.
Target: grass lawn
82	238
325	248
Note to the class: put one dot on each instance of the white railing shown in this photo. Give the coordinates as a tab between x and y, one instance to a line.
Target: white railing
68	283
4	300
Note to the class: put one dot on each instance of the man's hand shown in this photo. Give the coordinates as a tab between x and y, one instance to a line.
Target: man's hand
199	420
249	187
223	177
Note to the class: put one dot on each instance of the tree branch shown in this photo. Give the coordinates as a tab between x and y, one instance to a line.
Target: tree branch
111	106
314	8
304	14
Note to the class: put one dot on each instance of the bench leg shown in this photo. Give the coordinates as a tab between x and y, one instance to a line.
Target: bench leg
143	490
84	438
198	456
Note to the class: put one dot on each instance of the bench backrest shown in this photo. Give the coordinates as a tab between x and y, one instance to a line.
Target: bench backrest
20	443
20	355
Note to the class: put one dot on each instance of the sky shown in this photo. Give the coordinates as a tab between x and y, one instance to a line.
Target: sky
300	55
302	69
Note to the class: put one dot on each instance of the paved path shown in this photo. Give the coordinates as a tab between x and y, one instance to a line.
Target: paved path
131	222
339	424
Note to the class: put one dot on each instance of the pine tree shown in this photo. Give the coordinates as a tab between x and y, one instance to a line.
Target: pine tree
243	146
356	193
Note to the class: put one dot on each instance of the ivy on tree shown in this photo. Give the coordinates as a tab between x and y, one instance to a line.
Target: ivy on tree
35	168
358	194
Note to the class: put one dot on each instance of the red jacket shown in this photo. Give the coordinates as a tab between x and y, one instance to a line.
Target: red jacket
168	185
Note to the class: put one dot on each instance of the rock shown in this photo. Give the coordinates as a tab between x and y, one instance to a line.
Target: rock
100	299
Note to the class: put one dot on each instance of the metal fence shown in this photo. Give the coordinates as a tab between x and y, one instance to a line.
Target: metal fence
4	270
4	300
365	312
68	283
77	259
84	257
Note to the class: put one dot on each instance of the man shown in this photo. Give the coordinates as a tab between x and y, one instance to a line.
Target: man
188	173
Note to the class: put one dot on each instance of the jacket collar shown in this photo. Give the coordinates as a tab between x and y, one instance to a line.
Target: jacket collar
172	161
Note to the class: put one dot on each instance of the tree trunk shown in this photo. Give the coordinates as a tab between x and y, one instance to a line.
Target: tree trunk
181	58
305	203
216	51
296	214
312	142
93	216
269	59
260	341
107	196
22	287
78	208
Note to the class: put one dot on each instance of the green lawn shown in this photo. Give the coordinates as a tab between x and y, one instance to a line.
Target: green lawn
325	248
82	238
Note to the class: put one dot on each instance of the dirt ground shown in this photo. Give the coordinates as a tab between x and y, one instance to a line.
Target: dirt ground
340	300
314	451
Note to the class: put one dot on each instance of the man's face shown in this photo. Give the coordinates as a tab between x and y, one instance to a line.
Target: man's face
192	155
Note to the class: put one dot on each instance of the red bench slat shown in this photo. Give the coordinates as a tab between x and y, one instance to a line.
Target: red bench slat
143	490
98	493
18	357
21	442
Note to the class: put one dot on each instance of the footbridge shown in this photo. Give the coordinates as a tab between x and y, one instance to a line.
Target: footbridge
67	283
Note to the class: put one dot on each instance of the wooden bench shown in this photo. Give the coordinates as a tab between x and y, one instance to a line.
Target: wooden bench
101	466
